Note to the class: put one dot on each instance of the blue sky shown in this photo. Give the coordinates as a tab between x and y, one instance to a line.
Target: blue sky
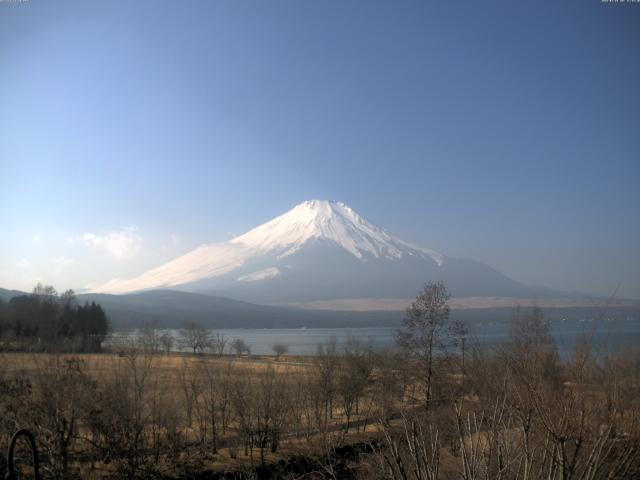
508	132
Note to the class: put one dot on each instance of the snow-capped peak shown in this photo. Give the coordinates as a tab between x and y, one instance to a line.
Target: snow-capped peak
314	220
329	221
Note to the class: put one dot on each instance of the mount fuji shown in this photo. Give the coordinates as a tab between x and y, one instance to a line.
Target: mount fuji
319	251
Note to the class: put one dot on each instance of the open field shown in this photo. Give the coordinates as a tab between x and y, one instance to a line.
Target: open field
171	363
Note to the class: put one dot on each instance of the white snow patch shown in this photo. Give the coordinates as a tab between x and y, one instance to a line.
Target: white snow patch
260	275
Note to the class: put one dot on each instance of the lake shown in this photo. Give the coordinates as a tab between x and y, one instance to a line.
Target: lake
302	341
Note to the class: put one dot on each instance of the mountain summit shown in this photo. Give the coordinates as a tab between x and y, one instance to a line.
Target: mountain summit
328	221
318	250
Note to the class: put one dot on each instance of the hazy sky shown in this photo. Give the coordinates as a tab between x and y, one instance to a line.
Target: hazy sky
507	132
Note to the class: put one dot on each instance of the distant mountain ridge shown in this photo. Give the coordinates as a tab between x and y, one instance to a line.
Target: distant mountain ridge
7	295
320	250
172	308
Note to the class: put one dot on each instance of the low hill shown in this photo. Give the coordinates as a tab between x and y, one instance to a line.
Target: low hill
6	295
171	308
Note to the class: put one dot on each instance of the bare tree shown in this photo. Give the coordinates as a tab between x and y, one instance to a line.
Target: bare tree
190	386
427	332
121	413
326	362
413	451
279	349
270	406
353	377
148	339
166	342
58	408
214	396
240	347
195	337
217	344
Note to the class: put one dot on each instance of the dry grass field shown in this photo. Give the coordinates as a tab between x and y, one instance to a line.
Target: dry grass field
222	413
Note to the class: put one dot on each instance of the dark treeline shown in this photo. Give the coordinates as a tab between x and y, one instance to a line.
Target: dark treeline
46	320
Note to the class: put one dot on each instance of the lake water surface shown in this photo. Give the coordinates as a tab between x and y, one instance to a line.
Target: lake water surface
305	341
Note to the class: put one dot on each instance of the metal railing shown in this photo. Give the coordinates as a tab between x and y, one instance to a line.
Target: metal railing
31	439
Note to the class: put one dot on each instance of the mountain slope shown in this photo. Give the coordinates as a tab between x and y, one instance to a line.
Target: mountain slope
319	250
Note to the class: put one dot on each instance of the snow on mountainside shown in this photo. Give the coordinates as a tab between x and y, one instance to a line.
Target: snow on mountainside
260	275
317	251
311	223
333	221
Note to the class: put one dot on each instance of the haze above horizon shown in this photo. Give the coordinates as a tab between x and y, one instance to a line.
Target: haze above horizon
131	133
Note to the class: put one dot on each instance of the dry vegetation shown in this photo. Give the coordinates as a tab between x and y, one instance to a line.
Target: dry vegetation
146	413
428	410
